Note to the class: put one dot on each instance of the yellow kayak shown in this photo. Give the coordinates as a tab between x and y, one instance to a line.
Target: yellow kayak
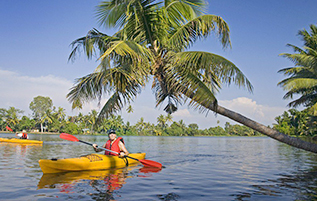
20	141
87	163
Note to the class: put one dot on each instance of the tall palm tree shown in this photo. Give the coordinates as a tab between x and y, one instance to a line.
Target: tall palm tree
93	117
140	125
12	116
161	120
60	114
302	78
182	125
169	118
152	43
47	119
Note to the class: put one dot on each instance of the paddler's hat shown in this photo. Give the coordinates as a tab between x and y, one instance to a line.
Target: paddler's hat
110	131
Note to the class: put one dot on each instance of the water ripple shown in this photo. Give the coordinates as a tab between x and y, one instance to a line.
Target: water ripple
199	168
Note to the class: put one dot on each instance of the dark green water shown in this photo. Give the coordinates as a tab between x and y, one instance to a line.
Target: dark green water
196	168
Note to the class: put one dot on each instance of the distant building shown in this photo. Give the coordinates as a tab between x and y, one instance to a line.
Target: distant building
86	130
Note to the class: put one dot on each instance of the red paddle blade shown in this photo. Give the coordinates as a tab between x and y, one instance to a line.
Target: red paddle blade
7	127
147	169
69	137
151	163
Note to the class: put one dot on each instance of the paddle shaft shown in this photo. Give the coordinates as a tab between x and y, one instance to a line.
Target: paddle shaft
107	150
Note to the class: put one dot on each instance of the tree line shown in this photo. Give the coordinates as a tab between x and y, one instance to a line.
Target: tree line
48	118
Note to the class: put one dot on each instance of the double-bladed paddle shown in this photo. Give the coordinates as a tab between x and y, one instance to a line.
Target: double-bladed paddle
144	162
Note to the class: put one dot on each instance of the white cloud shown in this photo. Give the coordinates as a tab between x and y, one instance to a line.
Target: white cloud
18	91
262	113
245	105
182	113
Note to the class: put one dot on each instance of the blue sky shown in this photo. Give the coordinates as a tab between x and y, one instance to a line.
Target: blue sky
35	45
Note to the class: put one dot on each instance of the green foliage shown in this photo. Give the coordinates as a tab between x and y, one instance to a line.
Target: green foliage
40	105
215	131
294	122
26	123
42	108
11	117
71	128
302	78
175	130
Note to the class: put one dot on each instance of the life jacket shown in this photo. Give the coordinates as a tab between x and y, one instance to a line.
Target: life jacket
114	146
24	136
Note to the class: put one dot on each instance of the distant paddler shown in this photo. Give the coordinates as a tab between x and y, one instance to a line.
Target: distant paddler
22	135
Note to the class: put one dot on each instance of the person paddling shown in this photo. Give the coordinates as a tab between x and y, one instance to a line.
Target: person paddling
115	144
22	135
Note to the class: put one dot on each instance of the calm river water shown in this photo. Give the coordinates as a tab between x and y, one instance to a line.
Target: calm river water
196	168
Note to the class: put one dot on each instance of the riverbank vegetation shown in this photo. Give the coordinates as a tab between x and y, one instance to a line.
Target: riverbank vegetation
49	119
55	120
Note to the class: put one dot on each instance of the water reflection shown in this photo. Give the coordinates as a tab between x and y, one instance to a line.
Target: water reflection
197	168
12	150
304	183
102	185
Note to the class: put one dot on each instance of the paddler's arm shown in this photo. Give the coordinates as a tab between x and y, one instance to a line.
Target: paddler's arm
123	150
96	148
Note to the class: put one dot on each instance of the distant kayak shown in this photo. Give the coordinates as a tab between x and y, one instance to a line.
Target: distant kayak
88	162
20	141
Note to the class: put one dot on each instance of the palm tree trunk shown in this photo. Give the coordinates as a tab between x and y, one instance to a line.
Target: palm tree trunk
295	142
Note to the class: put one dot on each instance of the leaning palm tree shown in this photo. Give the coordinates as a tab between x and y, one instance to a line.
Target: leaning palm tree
152	44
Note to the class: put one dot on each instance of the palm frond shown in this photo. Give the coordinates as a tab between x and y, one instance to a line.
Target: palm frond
201	96
313	110
291	70
136	52
123	79
178	86
295	49
115	103
113	13
298	82
137	18
308	100
85	89
201	27
182	11
93	43
214	68
303	59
